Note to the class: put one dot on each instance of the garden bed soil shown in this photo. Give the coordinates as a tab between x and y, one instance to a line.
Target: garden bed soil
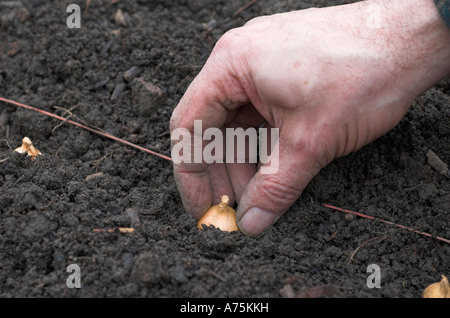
50	207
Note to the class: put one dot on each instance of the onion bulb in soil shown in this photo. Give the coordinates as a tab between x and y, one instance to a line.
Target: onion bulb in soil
220	216
28	148
438	290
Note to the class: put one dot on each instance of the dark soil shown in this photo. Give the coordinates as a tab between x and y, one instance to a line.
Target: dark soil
50	207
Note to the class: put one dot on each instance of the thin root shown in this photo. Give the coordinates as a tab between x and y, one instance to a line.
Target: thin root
365	243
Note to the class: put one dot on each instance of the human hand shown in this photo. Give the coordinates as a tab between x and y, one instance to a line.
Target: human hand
326	78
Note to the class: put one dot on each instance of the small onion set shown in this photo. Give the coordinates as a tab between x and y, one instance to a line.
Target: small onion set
438	290
220	216
28	148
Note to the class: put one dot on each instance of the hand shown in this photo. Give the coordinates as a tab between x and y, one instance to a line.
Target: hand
327	78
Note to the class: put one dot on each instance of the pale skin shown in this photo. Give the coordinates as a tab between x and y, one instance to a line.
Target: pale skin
331	79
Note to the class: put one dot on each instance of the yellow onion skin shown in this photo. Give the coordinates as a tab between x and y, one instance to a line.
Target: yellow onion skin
27	147
220	216
438	290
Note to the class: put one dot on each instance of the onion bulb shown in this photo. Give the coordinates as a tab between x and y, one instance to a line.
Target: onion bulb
28	148
438	290
220	216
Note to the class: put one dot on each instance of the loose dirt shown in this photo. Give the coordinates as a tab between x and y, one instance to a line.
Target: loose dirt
50	207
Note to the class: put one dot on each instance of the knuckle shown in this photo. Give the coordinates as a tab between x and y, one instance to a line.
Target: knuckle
303	143
279	192
314	145
258	20
228	40
232	45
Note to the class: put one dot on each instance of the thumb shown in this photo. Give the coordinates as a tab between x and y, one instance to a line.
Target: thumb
275	187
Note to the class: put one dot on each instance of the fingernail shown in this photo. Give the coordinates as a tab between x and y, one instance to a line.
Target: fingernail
256	220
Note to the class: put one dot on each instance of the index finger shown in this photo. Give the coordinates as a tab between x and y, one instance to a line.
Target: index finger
212	98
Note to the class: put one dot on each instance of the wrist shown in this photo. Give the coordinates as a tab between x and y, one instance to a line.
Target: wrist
420	42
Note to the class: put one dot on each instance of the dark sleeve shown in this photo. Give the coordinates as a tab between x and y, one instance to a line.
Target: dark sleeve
444	9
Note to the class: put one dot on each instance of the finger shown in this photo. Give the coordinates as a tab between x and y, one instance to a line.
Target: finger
269	195
212	98
240	175
241	155
220	183
241	170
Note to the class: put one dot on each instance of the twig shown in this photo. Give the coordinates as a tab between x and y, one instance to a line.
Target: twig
5	140
65	110
387	222
164	134
10	148
363	244
240	10
71	114
96	131
88	2
48	205
97	162
333	235
437	163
